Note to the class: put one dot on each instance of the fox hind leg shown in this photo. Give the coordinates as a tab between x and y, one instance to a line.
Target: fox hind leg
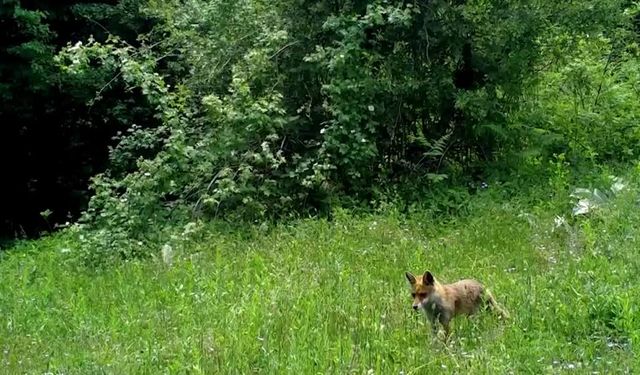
492	304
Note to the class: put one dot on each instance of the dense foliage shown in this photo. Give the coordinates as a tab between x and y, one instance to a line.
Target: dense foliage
241	146
53	140
259	110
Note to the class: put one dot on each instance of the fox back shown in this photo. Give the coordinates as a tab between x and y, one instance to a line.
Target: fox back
444	301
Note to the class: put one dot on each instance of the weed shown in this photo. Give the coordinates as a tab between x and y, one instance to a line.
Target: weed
330	297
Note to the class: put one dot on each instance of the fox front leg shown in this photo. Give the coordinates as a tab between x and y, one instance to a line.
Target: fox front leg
434	327
444	320
447	332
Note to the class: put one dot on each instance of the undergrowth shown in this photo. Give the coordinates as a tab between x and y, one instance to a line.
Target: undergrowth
320	296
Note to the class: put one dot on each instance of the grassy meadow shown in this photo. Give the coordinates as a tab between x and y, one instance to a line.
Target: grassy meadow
317	297
251	180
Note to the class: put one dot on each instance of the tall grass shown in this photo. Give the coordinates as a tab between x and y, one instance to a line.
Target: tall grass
330	297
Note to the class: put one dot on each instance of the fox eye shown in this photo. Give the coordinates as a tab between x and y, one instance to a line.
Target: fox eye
422	295
413	295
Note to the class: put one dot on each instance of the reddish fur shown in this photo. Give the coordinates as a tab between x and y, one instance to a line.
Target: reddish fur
443	302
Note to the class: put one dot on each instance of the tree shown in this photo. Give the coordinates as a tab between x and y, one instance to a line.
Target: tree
269	109
53	141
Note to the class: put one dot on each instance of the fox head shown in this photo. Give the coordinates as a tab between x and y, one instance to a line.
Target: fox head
421	288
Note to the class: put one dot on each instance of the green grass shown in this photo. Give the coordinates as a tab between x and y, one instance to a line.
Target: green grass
330	297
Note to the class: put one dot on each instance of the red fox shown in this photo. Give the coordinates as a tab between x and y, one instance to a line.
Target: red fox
442	302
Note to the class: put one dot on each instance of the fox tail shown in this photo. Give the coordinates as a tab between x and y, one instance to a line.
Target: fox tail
493	305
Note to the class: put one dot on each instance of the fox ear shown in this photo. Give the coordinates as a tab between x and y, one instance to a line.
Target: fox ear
428	278
410	277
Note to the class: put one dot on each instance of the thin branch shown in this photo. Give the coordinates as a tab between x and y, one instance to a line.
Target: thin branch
99	93
283	48
213	180
604	72
168	54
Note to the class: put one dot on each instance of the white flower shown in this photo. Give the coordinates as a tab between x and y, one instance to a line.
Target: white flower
559	221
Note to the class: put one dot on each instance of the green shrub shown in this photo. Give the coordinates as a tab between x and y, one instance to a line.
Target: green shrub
394	94
588	106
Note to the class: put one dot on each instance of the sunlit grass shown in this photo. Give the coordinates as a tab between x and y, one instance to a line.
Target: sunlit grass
330	297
